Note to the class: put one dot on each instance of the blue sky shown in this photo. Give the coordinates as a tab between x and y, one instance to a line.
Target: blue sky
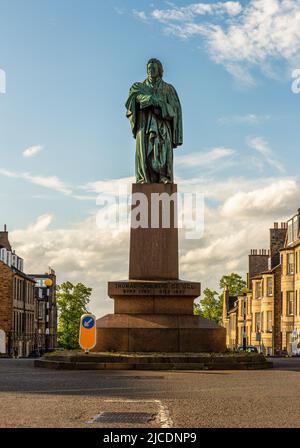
69	65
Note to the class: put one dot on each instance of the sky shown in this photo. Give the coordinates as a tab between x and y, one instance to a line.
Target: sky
65	70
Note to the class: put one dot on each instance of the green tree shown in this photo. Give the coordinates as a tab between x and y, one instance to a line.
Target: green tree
235	284
72	301
210	306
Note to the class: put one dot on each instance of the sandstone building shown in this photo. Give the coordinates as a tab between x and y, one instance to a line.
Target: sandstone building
267	314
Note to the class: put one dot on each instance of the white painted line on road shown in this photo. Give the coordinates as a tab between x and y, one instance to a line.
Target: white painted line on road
163	412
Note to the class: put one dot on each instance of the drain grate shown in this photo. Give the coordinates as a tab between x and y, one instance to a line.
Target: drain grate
123	417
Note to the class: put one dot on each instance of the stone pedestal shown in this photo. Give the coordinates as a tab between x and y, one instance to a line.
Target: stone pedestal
153	310
154	248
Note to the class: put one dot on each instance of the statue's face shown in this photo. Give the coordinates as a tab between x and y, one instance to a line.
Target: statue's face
153	70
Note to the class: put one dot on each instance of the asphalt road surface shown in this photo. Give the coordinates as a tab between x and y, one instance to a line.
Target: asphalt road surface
35	397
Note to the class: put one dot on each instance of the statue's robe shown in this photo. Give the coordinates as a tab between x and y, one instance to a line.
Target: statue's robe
154	112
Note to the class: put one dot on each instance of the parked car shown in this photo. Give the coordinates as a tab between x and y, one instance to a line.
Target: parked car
248	349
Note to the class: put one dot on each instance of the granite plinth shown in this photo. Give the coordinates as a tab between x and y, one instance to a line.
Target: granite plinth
158	333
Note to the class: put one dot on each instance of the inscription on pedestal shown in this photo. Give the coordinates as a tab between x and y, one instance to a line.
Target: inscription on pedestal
131	288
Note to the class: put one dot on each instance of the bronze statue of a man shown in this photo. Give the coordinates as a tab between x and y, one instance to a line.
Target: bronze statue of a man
154	112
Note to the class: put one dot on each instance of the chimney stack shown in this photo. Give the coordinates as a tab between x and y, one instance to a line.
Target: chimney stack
277	240
4	239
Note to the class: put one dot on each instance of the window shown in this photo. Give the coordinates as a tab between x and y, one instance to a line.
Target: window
257	322
241	307
40	282
257	290
290	263
41	310
269	286
290	303
269	321
241	335
262	322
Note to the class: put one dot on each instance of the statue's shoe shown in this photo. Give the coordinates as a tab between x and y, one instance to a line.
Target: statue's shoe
164	180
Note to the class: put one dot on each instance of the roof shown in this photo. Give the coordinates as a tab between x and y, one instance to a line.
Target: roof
270	271
22	274
292	245
257	277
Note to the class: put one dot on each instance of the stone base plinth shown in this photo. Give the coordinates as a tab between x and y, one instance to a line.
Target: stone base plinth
153	297
158	333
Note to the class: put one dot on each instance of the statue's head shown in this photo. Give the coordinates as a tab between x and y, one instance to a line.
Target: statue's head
155	68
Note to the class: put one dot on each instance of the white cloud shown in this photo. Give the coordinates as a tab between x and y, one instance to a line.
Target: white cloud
203	159
51	182
79	253
42	223
119	10
260	145
190	12
139	14
32	151
110	186
252	119
254	35
275	198
241	223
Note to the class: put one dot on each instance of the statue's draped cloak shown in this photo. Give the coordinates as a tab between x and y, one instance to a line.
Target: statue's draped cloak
154	112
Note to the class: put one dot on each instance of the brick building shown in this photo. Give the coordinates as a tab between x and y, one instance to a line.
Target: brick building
267	314
19	305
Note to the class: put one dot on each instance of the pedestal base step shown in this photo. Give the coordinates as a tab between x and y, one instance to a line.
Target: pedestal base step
154	361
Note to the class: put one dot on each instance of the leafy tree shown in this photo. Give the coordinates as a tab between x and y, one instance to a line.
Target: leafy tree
235	283
72	301
210	306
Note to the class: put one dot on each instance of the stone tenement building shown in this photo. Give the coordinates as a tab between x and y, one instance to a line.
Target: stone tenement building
21	320
267	314
45	310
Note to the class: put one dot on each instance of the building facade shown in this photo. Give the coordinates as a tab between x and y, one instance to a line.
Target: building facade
290	286
19	318
267	314
45	310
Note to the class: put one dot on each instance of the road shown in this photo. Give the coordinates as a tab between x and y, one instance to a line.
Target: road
35	397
